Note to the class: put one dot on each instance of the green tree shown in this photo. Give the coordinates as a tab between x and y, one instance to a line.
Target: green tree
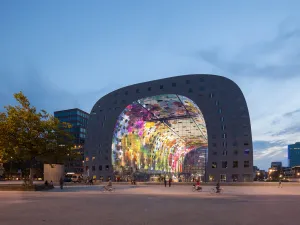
27	135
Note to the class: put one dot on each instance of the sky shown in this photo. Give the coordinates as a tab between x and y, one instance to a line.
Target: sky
66	54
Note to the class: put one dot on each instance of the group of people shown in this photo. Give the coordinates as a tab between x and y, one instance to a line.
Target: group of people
198	186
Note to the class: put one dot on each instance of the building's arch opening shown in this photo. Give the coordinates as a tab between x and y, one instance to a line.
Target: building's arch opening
156	136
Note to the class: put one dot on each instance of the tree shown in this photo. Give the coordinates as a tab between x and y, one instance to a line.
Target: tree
27	135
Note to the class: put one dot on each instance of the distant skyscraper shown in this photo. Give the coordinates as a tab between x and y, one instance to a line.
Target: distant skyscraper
294	154
78	119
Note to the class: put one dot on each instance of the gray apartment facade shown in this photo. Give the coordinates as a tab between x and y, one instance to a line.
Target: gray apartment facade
230	150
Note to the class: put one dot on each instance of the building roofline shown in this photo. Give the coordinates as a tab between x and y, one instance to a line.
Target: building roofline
67	110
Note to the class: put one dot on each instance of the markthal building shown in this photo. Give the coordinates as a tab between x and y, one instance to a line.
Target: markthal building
185	128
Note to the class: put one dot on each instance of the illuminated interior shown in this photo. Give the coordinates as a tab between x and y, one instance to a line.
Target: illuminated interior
155	134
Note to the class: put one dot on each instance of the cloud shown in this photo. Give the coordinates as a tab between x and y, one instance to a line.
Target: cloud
44	94
292	113
277	58
265	151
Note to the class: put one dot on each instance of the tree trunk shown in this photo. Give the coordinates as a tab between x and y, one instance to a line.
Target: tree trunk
31	176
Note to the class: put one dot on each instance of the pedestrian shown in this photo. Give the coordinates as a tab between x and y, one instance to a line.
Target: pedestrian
279	184
61	183
170	181
165	181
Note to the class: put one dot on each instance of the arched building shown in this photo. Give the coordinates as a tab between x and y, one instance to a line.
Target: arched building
159	127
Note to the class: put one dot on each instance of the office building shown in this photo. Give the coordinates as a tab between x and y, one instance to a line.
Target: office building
78	119
157	128
294	154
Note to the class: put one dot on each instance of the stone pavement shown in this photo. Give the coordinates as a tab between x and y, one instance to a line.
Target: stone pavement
147	205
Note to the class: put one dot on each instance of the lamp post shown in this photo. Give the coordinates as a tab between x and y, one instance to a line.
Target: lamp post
10	168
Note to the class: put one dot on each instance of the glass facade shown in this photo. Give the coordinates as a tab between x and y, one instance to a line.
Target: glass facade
159	135
78	119
294	154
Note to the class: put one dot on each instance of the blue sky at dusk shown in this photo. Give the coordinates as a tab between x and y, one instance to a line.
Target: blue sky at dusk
65	54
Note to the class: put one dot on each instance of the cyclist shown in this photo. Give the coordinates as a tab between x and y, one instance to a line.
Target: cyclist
198	184
218	187
108	186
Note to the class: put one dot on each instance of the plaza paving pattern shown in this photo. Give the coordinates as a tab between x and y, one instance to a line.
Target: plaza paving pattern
147	205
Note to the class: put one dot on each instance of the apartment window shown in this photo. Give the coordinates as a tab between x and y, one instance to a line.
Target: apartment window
211	95
224	135
246	143
214	136
124	101
235	164
214	165
161	86
222	119
247	177
247	152
149	88
87	159
246	134
245	126
173	84
93	158
106	157
187	81
220	110
224	164
93	168
190	90
246	164
126	92
223	177
214	144
235	152
215	153
100	167
201	80
234	144
225	152
116	94
107	167
201	88
217	102
224	144
137	90
223	127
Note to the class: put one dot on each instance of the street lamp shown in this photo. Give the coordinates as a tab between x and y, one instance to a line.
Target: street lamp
10	167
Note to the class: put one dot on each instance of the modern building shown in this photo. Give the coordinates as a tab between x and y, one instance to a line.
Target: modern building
78	119
159	127
277	165
294	154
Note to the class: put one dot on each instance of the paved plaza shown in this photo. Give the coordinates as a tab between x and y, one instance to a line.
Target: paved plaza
145	205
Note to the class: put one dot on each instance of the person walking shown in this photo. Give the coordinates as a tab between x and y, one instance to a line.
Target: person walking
279	184
170	181
165	181
61	183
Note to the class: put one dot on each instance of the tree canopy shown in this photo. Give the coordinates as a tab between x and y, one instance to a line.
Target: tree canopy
27	134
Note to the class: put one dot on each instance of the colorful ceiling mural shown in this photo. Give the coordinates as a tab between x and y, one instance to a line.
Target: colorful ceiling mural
155	133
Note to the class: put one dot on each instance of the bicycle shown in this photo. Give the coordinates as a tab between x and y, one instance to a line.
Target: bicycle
214	191
109	189
195	188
